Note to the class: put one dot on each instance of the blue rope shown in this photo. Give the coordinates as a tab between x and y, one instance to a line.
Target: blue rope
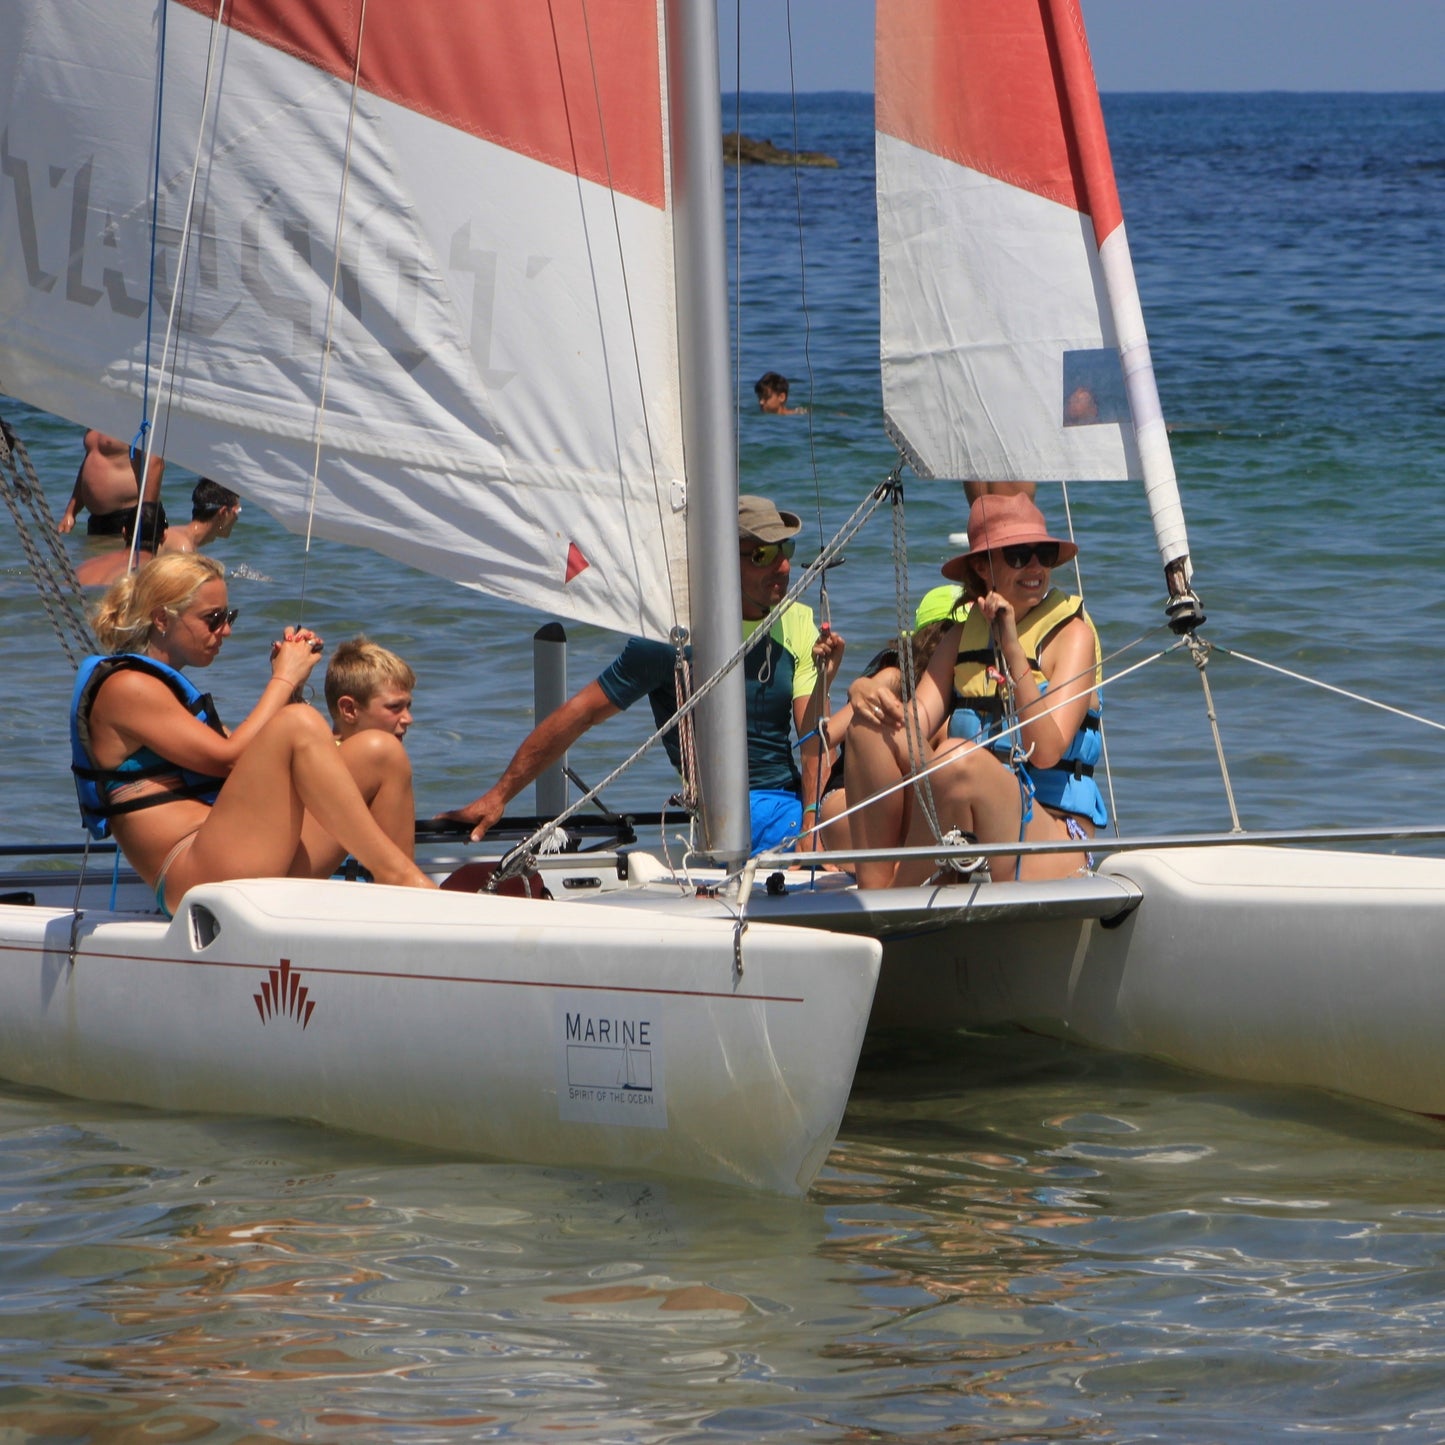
139	442
1026	808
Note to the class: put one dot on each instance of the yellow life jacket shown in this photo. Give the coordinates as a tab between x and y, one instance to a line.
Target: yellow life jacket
1036	630
978	708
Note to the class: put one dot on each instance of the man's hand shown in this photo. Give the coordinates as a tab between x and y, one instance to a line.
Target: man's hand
828	654
483	813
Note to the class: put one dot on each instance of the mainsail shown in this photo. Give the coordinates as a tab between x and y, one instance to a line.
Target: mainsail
421	249
1013	344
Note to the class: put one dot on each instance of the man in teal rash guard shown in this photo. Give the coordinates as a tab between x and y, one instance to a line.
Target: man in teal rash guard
783	698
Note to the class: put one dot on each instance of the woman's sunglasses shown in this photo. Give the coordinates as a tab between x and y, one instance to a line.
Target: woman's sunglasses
219	617
1018	555
769	552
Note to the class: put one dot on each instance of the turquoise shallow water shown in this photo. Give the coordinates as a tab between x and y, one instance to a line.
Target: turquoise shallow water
1013	1239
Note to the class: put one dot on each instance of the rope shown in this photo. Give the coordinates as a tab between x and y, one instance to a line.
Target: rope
923	789
686	730
55	579
146	434
738	235
141	441
642	395
328	340
1103	735
823	609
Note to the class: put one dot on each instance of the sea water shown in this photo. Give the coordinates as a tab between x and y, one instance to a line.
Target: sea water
1013	1239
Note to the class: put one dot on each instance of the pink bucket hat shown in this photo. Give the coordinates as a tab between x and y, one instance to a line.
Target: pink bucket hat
996	521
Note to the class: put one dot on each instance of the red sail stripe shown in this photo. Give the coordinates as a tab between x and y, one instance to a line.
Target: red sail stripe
1005	87
518	75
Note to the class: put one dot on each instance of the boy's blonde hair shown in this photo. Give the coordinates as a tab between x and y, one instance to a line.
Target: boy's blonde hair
360	668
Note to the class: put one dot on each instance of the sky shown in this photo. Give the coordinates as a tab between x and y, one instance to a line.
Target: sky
1136	44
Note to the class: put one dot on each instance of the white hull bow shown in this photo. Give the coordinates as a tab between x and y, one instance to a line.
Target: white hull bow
539	1032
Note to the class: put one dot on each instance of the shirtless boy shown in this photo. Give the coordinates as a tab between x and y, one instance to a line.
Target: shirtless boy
368	687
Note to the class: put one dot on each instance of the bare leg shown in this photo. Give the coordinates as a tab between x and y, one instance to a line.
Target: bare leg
980	795
872	767
379	764
292	768
834	834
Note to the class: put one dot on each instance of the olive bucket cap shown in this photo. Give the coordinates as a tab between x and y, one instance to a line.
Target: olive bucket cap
760	521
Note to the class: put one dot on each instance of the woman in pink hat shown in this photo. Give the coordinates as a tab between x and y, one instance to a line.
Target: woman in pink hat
1018	683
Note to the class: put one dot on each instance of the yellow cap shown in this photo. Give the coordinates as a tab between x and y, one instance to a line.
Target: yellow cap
937	604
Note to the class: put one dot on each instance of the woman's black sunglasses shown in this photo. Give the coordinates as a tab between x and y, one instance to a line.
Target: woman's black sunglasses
219	617
1019	554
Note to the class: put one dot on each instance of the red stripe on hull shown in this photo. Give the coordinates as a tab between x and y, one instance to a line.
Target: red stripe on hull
1004	87
520	76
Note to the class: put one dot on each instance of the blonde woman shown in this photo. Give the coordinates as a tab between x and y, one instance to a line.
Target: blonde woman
191	802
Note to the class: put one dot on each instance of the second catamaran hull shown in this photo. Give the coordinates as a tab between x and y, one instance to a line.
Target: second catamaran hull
531	1031
1270	965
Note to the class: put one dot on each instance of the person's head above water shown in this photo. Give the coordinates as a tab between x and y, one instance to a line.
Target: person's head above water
771	390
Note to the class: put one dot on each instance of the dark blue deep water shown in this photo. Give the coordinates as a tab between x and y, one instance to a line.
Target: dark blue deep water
1013	1240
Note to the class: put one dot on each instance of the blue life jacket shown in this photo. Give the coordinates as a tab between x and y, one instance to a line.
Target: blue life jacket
91	782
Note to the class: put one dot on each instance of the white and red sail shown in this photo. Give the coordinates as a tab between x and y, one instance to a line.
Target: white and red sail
491	361
1013	345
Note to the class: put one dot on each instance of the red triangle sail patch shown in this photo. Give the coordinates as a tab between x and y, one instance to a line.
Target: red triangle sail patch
576	562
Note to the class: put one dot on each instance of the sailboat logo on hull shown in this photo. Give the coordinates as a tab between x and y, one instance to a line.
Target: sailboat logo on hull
609	1063
284	996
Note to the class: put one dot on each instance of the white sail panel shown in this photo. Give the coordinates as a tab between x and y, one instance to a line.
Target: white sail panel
998	354
501	399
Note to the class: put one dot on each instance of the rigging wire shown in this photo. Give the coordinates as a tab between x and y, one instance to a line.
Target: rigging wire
54	576
738	241
682	672
642	398
142	436
807	313
1327	686
1103	736
328	341
1012	731
165	377
923	790
825	611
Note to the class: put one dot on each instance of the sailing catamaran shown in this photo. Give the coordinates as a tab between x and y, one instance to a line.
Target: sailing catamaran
439	282
285	243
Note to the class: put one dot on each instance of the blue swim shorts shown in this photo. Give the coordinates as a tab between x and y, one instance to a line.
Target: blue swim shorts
776	815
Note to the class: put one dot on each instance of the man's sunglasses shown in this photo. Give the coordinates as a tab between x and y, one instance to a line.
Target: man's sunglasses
1018	556
219	617
769	552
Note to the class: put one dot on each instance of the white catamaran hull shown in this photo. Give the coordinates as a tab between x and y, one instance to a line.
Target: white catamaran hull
539	1032
1271	965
